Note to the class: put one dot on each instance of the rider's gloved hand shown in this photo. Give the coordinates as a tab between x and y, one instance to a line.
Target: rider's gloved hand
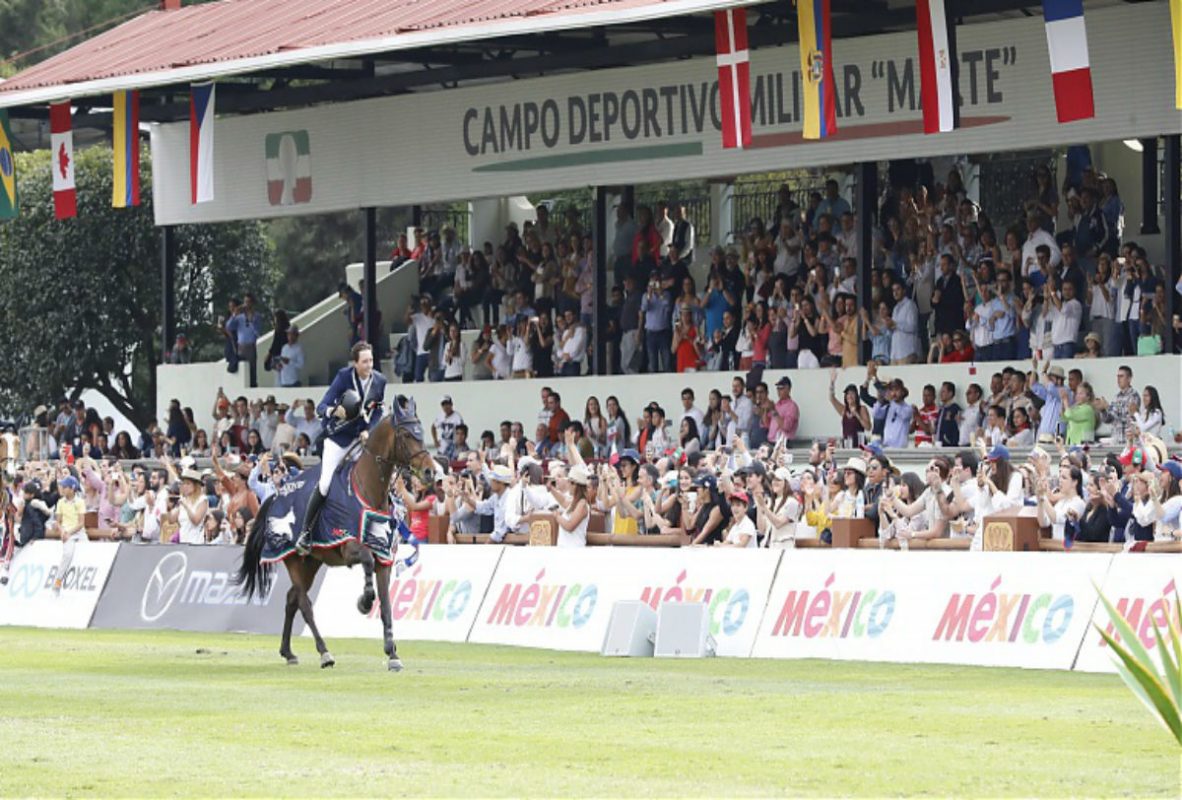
339	412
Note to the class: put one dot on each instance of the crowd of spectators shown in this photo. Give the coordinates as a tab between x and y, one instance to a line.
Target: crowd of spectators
718	469
948	283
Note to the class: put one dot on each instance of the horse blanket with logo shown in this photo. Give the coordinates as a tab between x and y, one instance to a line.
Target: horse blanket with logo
343	516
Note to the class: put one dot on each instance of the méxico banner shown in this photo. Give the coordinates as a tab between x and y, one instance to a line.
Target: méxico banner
642	124
28	598
435	600
990	609
1142	587
189	588
562	599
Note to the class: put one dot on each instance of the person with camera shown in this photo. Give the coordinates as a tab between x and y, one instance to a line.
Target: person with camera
658	338
350	409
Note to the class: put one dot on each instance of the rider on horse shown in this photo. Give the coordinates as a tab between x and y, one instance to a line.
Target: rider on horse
351	408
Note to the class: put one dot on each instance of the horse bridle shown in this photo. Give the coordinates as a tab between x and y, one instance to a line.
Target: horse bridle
387	461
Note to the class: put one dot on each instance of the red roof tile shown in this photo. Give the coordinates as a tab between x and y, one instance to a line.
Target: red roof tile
281	31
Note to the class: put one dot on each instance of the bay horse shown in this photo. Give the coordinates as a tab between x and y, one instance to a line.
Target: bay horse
396	443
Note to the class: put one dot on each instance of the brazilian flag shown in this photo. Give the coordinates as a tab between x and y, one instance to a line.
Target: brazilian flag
9	203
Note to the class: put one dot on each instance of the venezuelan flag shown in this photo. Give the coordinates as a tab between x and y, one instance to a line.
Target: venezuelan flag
126	143
816	69
1176	26
9	205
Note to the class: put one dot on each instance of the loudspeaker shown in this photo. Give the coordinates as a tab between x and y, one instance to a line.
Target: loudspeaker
683	631
630	630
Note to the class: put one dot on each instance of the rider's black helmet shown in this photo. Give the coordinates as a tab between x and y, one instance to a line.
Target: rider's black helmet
351	402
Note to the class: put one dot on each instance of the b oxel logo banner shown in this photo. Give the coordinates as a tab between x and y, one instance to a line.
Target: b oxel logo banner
29	599
437	599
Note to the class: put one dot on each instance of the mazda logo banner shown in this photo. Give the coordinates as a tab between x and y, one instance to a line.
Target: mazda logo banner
189	588
28	597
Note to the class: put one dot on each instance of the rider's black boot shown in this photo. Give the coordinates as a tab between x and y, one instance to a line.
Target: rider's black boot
311	515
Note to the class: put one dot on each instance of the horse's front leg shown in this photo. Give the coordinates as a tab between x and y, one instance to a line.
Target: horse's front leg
394	663
365	601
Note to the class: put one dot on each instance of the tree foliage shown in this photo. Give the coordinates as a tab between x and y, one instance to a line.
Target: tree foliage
80	299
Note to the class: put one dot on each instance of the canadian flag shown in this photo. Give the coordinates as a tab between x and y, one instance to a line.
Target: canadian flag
734	76
61	140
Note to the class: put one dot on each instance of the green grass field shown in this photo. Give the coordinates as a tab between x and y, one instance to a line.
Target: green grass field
112	713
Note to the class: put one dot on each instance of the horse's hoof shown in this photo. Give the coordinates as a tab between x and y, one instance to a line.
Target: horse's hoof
326	660
394	665
293	661
365	603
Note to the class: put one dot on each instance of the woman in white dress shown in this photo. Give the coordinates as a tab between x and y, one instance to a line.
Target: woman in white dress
191	509
778	515
1068	510
572	521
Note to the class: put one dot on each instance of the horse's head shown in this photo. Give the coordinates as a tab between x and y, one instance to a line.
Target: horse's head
406	448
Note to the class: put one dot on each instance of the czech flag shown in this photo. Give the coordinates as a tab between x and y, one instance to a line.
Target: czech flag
9	204
734	76
938	66
126	143
61	143
201	101
1071	71
816	69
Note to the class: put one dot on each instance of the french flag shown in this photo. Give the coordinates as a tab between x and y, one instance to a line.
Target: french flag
734	76
201	99
1067	43
938	66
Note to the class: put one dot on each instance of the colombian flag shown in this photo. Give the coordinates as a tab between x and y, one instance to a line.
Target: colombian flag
1176	25
126	143
816	69
9	207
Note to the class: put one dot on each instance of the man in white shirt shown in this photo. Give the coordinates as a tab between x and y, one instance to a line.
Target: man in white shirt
689	410
443	432
788	245
847	237
664	227
904	325
743	407
302	417
574	345
1066	313
266	421
291	359
421	321
1035	235
980	325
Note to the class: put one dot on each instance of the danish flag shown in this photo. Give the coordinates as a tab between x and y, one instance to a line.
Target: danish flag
734	76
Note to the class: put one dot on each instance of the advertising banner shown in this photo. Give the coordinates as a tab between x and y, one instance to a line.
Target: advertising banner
987	609
189	588
1142	587
435	600
562	599
642	124
29	599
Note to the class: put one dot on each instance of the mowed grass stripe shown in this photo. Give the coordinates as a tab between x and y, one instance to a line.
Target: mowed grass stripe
145	713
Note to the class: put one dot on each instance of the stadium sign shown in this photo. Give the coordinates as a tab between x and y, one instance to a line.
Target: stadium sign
1142	586
28	597
187	588
642	124
435	600
562	599
987	609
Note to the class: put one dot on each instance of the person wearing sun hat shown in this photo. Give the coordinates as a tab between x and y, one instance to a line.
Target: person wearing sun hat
572	520
191	508
742	531
69	519
500	478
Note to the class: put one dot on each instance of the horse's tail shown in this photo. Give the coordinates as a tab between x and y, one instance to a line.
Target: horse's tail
254	576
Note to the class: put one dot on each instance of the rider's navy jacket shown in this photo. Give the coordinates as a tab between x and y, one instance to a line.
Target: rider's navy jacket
343	433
